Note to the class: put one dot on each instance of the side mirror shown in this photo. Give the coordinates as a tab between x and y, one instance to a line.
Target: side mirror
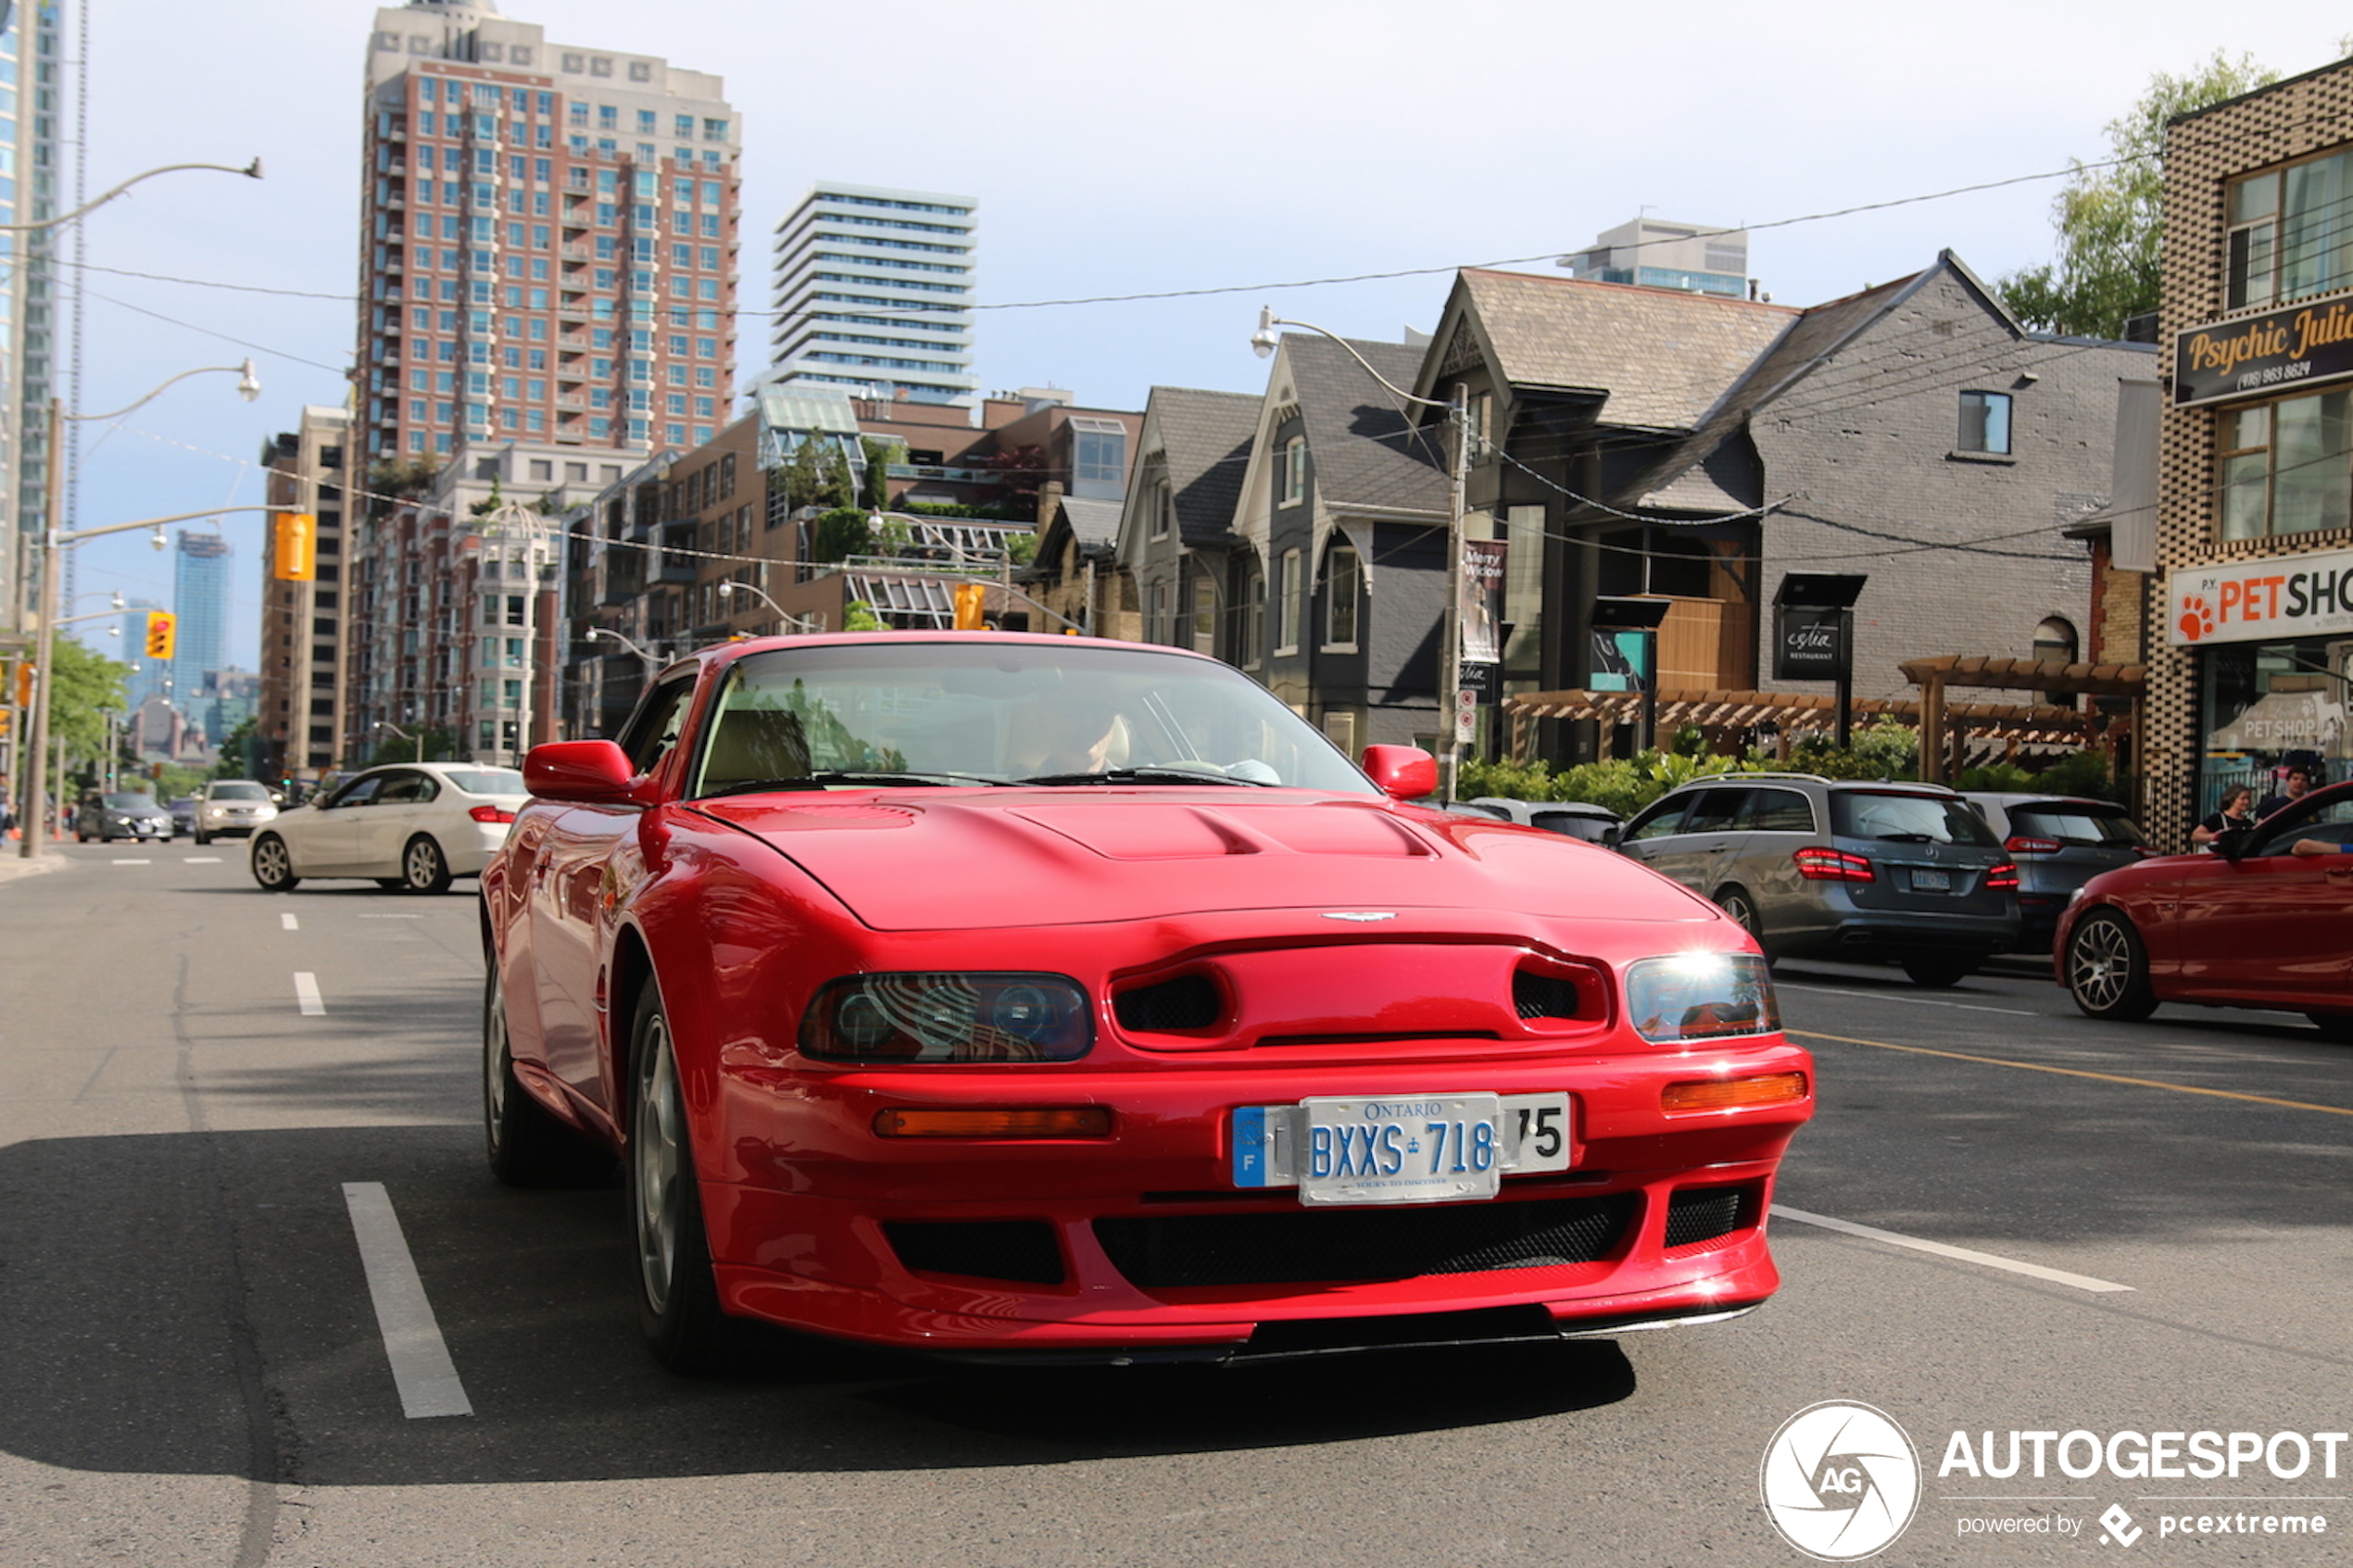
1404	772
1612	834
2231	843
580	772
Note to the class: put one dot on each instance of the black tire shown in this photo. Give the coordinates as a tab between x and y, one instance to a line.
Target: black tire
2107	970
678	1296
273	864
1736	902
526	1145
423	868
2336	1028
202	838
1938	970
391	884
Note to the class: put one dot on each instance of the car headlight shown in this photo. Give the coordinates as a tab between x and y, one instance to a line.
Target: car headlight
949	1017
1700	996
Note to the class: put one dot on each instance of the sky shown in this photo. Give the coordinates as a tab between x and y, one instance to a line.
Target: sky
1116	147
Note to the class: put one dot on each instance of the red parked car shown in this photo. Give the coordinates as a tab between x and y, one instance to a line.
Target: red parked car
988	993
2266	922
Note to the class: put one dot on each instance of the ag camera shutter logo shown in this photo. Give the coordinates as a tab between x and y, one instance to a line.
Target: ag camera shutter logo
1840	1481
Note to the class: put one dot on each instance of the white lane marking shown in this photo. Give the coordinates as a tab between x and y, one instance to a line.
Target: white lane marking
1892	997
1960	1254
288	921
199	860
307	994
134	863
421	1365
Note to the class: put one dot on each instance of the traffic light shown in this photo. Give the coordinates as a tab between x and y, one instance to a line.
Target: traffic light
24	682
970	597
296	557
162	629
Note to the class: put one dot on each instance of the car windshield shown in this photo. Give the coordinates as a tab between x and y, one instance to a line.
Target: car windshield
125	802
486	781
983	713
2071	822
1904	818
236	791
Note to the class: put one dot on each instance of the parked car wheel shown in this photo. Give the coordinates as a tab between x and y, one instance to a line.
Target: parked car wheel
2107	970
203	839
677	1297
2335	1027
272	866
424	867
1736	903
1937	971
528	1148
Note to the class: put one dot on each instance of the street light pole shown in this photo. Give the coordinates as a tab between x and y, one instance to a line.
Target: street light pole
794	624
1449	682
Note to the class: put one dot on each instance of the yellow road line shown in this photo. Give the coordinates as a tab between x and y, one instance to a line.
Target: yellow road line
2074	1073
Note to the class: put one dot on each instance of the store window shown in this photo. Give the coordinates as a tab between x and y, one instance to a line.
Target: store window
2265	707
2286	466
2290	234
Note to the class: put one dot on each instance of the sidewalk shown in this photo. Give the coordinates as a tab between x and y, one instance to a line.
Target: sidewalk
12	867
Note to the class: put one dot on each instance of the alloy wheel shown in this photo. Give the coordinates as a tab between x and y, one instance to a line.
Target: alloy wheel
269	862
2099	964
656	1142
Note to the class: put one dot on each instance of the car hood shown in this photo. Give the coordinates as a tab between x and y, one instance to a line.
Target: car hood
973	859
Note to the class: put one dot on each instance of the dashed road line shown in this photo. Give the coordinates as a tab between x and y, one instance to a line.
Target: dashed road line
199	860
1940	1249
307	994
2076	1073
421	1368
134	863
288	921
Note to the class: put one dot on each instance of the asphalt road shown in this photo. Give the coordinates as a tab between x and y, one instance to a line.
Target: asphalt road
194	1373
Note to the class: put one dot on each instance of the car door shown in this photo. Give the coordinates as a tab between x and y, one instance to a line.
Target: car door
1652	830
579	867
399	810
1704	847
328	844
1779	823
2273	924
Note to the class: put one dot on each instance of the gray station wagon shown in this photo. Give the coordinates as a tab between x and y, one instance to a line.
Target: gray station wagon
1838	868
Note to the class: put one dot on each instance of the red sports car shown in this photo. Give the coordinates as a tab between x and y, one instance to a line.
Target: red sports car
2264	921
989	994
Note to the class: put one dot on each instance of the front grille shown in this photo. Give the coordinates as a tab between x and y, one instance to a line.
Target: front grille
1543	996
1189	1001
1319	1336
1331	1245
1014	1249
1697	1214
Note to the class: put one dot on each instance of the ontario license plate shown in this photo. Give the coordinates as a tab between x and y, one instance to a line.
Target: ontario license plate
1401	1148
1924	881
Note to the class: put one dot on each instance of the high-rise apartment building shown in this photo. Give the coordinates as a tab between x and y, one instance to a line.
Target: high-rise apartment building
873	294
200	600
301	699
548	253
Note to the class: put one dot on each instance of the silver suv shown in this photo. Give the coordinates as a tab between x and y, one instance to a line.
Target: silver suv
1838	868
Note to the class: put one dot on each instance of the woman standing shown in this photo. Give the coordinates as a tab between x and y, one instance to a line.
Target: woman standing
2235	812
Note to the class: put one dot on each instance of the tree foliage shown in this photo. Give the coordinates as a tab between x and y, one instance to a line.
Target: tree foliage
841	534
875	495
2110	217
84	686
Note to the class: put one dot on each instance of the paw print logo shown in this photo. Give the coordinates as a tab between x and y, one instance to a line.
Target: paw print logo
2197	619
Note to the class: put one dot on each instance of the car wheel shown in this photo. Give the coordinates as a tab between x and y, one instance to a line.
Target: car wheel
203	839
272	866
1937	971
2336	1028
423	867
677	1297
2107	970
528	1148
391	884
1736	903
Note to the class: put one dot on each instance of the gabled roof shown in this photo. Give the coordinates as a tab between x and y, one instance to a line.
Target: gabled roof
1095	524
1368	451
1205	438
1662	357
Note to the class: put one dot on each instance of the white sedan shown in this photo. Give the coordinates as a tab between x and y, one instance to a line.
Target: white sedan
413	825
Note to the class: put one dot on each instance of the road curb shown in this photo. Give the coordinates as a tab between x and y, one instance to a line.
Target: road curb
11	868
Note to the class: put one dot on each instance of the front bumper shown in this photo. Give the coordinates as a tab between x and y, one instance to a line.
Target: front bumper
1138	1247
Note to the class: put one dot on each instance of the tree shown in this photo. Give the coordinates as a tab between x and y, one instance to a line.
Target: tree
837	486
805	475
240	752
2110	217
84	685
841	534
875	495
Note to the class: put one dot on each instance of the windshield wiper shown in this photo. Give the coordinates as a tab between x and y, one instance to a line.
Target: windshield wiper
820	781
1149	773
754	787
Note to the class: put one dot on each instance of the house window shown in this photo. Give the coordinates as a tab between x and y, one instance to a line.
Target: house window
2054	641
1204	616
1342	587
1099	457
1164	505
1985	421
2290	234
1156	628
2284	466
1250	624
1478	411
1291	594
1292	482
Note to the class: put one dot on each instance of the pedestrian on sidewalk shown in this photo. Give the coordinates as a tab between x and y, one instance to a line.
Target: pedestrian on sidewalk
2232	813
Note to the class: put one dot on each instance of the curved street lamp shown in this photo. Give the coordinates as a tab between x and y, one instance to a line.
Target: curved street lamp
652	664
251	172
1264	343
797	624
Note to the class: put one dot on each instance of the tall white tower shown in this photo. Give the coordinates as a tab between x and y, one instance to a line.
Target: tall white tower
875	293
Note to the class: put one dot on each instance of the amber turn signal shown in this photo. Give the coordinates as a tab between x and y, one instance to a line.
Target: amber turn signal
1073	1121
1729	1094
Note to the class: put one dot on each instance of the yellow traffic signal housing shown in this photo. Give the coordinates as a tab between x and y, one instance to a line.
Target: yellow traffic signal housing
295	557
162	633
970	598
24	682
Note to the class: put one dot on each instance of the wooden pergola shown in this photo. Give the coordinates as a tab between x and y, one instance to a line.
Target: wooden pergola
1945	727
1788	712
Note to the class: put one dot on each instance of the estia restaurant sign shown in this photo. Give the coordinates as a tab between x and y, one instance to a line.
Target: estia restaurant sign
2292	347
2276	597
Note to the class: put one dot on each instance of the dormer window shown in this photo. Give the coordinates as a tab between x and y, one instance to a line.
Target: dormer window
1291	481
